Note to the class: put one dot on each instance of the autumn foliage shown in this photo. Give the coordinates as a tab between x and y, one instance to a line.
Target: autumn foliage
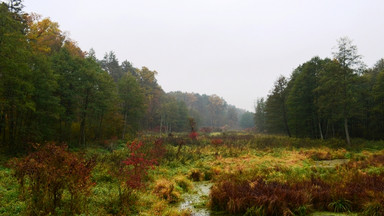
216	142
193	135
48	173
349	190
137	164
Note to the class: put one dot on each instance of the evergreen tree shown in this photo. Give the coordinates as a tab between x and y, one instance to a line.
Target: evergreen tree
260	115
276	108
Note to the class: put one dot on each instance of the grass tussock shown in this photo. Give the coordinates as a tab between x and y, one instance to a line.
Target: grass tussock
165	189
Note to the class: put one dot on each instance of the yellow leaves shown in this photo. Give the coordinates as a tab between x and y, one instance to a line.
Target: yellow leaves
72	47
44	35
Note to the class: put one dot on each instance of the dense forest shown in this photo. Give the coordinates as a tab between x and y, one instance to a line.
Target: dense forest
51	90
324	98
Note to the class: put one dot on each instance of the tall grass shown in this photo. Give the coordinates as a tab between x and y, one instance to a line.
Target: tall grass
252	175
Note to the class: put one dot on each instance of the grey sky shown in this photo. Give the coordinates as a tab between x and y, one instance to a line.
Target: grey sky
233	48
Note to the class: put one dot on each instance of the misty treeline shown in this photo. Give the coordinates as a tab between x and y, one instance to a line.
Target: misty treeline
325	98
212	111
51	90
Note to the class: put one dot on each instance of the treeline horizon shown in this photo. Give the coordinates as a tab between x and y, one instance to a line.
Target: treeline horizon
51	90
336	97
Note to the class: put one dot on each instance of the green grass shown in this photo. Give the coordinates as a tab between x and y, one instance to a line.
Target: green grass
10	204
273	158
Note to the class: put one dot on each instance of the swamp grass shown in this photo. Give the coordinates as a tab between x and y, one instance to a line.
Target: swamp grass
275	162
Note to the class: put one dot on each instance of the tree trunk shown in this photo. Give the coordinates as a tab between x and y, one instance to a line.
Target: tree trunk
99	135
286	120
125	125
161	125
82	130
347	131
320	130
83	119
2	123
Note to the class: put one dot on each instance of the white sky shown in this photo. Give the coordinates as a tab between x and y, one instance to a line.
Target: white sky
233	48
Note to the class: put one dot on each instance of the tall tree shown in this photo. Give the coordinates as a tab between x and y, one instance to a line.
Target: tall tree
260	115
378	109
216	107
16	88
247	120
132	103
44	35
232	118
110	63
276	108
350	66
305	119
153	93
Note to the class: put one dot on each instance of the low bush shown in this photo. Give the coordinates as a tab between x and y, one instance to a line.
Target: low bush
275	198
45	175
345	189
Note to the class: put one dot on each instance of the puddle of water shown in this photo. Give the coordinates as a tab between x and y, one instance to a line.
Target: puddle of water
197	199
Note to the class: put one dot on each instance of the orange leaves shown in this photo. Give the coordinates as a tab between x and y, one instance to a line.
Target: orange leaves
50	171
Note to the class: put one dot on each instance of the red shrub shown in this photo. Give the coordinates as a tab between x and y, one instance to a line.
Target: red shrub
158	151
50	171
193	135
137	164
216	142
276	198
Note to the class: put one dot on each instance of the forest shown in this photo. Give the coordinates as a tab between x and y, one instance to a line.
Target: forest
51	90
86	136
327	98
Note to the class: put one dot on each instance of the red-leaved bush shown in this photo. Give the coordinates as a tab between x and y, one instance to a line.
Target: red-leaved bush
130	167
356	190
46	174
237	196
158	150
137	164
193	135
216	142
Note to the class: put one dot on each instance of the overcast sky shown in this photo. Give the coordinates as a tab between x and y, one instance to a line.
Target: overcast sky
233	48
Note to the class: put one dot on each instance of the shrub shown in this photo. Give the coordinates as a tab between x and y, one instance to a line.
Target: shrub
165	190
216	143
158	150
46	174
237	196
129	166
137	165
193	135
196	175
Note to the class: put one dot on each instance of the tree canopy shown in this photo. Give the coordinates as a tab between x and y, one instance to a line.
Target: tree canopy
325	98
